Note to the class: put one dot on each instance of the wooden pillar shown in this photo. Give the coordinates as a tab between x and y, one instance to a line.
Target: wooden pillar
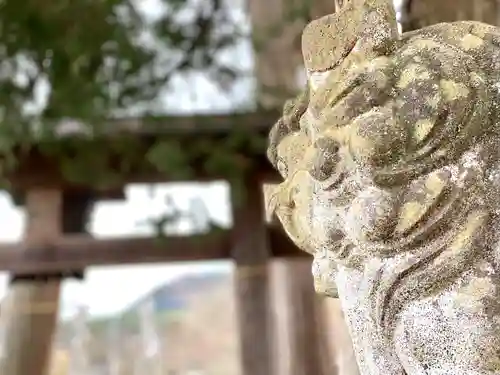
30	309
280	317
302	345
303	330
251	254
339	339
277	66
277	29
277	50
421	13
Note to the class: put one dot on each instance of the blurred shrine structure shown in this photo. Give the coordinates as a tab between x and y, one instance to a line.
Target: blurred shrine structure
57	246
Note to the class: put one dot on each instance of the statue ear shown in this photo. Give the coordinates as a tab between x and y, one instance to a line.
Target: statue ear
378	25
367	26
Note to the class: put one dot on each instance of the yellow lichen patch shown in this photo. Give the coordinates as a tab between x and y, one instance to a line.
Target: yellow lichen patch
413	72
270	191
453	90
363	147
292	150
465	237
356	59
379	64
471	295
414	209
324	281
425	44
341	135
434	185
410	214
422	129
409	51
481	29
477	78
470	41
326	93
307	123
479	287
493	363
433	100
441	152
290	201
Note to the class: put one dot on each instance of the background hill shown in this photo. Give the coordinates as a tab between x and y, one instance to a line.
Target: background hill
194	324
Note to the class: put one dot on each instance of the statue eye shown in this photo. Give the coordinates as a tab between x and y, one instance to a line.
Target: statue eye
282	167
327	144
326	159
323	166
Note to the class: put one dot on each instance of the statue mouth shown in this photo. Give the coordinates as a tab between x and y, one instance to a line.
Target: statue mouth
334	182
290	221
290	224
272	206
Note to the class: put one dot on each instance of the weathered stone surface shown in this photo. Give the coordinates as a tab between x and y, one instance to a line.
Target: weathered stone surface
391	167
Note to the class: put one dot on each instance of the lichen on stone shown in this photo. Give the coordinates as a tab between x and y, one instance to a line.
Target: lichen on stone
403	215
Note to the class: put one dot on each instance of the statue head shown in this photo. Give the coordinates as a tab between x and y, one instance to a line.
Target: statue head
391	167
320	178
377	137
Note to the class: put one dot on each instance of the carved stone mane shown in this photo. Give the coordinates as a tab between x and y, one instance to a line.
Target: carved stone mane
391	164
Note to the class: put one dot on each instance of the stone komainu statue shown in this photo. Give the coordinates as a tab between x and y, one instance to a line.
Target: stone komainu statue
391	170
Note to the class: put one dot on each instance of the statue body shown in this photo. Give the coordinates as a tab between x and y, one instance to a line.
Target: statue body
391	167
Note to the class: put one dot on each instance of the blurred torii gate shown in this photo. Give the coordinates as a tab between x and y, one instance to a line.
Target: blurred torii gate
56	243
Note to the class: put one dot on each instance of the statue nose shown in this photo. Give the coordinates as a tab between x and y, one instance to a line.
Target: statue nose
281	197
327	145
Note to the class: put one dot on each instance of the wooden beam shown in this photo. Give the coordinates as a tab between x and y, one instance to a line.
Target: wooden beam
251	252
38	169
78	252
18	197
198	125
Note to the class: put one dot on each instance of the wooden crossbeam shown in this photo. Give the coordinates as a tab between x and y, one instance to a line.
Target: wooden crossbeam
79	252
36	169
202	124
192	125
115	194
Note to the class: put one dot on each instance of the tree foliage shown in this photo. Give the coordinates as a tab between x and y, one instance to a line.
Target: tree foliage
89	60
96	57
